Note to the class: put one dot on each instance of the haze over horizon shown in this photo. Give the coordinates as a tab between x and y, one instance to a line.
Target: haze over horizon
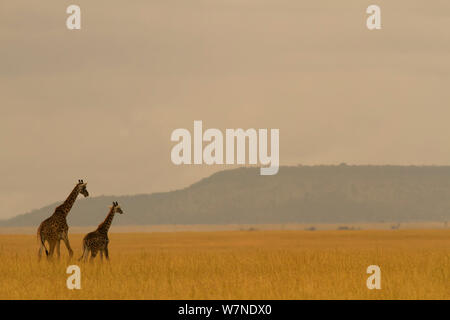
100	103
297	194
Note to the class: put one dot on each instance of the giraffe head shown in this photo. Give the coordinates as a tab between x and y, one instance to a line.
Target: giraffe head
116	207
82	186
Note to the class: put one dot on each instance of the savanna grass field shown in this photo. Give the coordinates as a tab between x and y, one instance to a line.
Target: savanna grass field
330	264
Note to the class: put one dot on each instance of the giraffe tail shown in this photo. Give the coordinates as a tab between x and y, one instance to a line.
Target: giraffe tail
42	240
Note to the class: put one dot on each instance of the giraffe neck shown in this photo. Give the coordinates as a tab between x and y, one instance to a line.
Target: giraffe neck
104	226
67	205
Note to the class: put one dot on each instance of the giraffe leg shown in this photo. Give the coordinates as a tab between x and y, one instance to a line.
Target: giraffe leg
66	242
86	254
52	248
106	253
93	254
101	255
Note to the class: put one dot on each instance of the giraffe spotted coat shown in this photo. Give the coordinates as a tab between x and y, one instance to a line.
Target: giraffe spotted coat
97	241
55	228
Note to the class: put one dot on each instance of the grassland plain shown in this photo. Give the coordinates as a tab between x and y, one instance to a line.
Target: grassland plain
415	264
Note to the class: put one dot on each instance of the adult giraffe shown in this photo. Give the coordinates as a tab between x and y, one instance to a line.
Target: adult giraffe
55	228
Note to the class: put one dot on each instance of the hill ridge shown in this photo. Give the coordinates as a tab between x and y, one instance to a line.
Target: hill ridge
297	194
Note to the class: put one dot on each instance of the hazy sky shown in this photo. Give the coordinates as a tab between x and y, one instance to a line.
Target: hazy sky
100	103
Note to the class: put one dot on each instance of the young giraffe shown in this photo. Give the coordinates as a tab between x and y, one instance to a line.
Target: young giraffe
98	240
55	228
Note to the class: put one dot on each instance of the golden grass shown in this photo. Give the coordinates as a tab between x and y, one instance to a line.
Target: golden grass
415	264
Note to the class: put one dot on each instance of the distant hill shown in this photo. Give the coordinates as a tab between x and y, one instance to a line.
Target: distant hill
302	194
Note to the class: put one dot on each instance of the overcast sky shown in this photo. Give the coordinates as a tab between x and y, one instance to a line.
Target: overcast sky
100	103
